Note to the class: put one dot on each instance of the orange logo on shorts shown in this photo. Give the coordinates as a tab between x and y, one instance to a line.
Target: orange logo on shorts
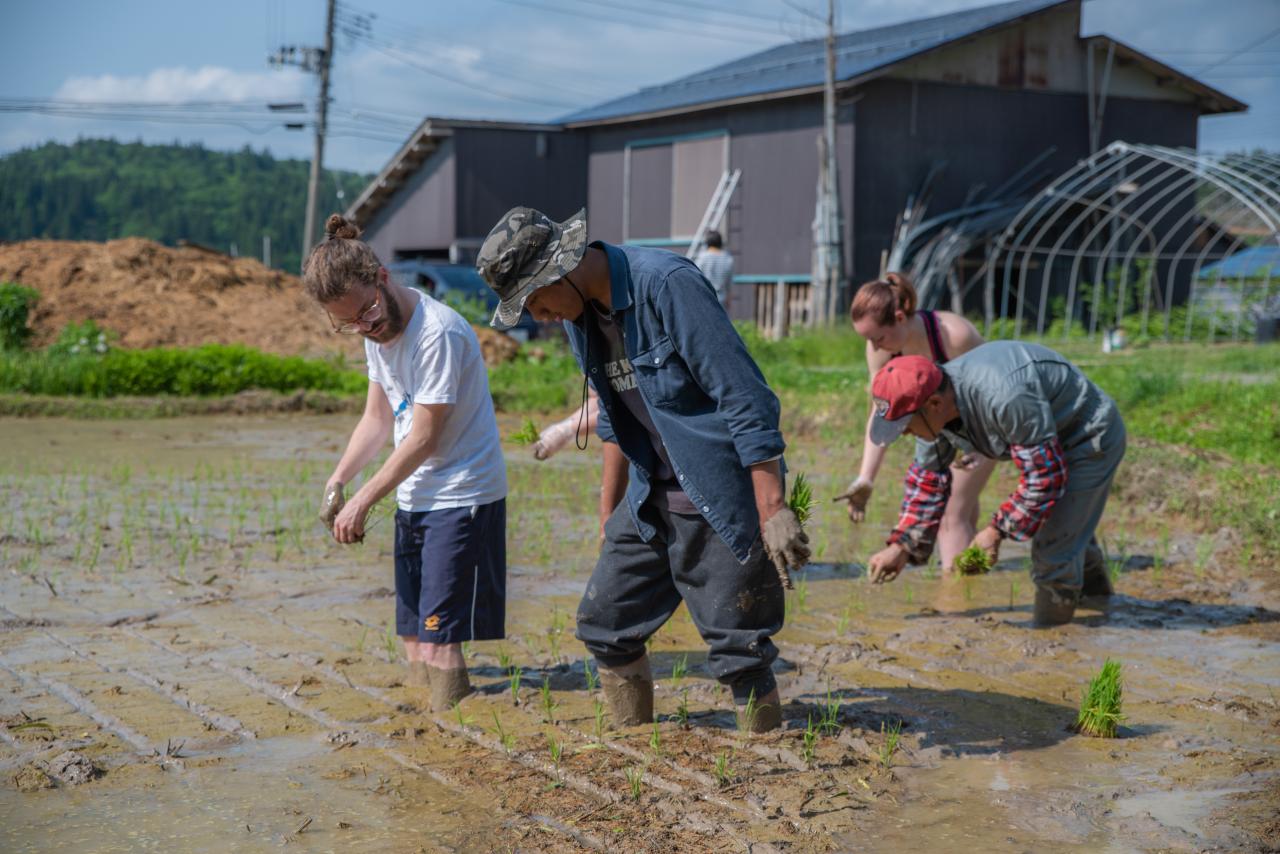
432	623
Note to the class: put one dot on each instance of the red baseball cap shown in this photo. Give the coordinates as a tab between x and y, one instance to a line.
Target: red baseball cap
899	390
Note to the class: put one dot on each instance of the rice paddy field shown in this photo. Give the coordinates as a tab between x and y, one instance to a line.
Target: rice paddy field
188	662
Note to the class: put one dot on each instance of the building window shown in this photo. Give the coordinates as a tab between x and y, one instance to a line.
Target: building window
668	184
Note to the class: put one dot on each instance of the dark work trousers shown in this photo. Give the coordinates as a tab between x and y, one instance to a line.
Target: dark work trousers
1065	543
637	586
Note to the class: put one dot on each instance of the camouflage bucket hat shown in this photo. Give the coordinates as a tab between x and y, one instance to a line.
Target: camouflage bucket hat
525	251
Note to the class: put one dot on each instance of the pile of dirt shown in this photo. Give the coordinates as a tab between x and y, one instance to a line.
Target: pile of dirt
156	296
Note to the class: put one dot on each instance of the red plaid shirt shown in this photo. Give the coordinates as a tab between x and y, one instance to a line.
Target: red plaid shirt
1042	479
923	501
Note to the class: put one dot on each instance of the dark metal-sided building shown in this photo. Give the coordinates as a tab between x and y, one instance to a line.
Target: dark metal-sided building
983	91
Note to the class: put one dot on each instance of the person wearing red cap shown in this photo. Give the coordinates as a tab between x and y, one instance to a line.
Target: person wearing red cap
1006	400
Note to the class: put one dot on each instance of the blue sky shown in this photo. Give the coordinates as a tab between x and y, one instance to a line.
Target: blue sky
516	59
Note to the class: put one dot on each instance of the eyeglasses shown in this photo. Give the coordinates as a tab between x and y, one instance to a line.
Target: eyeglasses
364	321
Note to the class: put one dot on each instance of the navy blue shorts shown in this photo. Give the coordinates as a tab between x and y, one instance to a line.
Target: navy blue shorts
451	573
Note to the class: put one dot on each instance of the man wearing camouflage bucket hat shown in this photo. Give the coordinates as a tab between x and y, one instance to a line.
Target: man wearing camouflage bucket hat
691	447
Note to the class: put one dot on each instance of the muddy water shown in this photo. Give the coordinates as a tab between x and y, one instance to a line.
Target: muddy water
172	612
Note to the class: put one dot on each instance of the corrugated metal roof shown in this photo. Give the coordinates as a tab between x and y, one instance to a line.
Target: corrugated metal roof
1255	263
802	65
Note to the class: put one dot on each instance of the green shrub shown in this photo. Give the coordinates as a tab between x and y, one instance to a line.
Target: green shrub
16	302
203	371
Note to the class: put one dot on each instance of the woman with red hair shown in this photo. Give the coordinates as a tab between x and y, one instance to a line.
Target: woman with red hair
885	313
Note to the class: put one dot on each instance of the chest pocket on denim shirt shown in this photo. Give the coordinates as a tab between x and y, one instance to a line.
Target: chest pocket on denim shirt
663	373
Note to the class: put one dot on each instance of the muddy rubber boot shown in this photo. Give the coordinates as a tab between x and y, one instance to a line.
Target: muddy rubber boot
629	693
765	716
418	675
1052	609
1097	581
448	687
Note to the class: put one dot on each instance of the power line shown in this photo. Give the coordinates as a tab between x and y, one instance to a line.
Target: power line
1250	46
395	54
404	44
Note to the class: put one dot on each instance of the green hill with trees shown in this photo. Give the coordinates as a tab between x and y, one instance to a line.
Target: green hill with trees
100	189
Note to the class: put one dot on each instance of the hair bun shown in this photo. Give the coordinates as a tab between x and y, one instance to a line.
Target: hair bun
338	226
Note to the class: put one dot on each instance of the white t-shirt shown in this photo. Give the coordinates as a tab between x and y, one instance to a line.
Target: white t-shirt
437	360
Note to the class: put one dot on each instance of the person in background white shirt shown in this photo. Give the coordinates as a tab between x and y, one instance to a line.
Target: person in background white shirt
429	389
716	263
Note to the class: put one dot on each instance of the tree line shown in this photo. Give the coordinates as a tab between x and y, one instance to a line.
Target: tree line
100	189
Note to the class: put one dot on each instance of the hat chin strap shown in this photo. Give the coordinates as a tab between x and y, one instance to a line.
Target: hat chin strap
581	444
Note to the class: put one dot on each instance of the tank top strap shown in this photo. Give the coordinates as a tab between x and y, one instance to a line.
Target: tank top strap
934	335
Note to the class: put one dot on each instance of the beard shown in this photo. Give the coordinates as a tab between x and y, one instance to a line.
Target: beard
393	324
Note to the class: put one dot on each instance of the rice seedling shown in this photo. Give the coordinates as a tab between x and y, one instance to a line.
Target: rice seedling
504	658
592	679
514	679
555	633
360	643
548	701
527	434
972	561
801	500
830	720
679	670
1205	547
723	773
892	736
842	623
800	595
1100	711
598	712
908	592
389	642
655	739
556	748
682	710
505	738
808	741
750	712
635	780
463	720
1013	592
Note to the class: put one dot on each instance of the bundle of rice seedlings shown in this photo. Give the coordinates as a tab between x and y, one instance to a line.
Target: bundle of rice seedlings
1100	713
528	433
972	561
802	501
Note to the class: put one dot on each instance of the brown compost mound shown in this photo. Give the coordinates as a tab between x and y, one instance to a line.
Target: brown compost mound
158	296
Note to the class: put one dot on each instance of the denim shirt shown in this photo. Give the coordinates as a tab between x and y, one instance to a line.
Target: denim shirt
709	402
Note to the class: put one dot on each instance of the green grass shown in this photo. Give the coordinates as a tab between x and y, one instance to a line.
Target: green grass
1100	708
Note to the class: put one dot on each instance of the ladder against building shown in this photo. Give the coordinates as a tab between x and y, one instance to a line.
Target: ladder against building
715	211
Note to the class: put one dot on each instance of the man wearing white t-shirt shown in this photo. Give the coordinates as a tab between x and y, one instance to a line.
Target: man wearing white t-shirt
429	389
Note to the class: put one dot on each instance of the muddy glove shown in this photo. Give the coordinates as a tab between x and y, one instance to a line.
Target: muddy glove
857	494
331	505
966	462
786	544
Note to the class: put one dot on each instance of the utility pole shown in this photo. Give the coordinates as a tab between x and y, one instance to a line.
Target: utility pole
828	255
316	61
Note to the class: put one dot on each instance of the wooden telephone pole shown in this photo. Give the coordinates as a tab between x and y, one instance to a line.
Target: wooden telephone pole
317	61
828	256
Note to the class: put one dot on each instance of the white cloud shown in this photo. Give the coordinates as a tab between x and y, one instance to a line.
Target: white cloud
209	83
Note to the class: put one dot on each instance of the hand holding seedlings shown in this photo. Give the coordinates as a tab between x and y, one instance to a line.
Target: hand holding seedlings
856	496
988	539
348	527
886	564
331	504
786	543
